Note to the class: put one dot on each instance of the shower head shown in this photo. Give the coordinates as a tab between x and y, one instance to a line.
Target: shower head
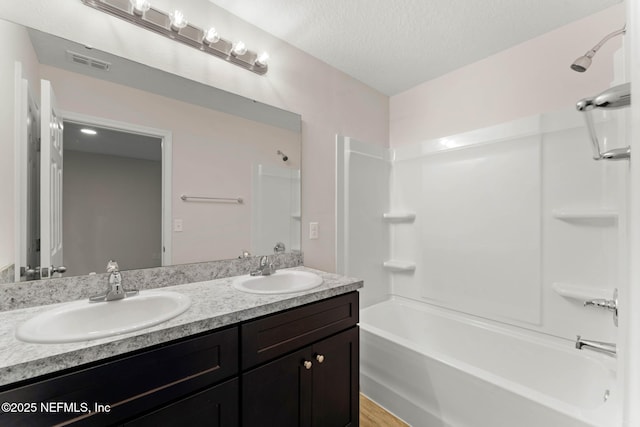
284	156
582	63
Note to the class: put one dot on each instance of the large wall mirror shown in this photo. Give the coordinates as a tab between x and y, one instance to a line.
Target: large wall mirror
117	160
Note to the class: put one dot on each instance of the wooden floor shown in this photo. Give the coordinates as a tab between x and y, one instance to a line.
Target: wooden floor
372	415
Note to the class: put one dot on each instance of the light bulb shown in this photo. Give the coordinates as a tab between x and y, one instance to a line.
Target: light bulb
88	131
211	36
140	6
239	49
177	20
262	59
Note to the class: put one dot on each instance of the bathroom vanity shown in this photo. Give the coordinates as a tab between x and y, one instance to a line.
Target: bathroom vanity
289	359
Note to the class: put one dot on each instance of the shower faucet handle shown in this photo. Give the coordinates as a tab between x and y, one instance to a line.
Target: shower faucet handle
602	303
611	305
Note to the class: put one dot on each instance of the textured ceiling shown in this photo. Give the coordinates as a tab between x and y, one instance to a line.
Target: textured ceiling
394	45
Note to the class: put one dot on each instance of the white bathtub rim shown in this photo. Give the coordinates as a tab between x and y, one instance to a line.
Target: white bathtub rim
539	338
586	415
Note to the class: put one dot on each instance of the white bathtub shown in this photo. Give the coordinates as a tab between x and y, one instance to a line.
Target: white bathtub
436	368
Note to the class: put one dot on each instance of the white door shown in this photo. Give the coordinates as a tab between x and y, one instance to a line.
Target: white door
27	239
51	183
33	181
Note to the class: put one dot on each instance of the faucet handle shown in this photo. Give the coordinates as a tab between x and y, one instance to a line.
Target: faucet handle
602	303
611	305
112	267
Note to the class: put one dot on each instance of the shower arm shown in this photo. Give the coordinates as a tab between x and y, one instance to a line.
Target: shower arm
606	38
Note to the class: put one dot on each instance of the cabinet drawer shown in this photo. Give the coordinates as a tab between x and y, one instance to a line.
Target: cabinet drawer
130	384
272	336
214	407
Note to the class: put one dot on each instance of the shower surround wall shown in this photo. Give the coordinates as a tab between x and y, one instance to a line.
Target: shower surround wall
362	198
514	223
497	237
275	211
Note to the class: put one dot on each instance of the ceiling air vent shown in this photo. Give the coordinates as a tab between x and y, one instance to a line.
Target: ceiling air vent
87	61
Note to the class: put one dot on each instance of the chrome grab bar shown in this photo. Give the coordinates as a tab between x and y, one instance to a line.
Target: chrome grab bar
238	200
611	99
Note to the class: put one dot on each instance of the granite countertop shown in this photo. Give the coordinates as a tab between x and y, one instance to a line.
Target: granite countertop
214	304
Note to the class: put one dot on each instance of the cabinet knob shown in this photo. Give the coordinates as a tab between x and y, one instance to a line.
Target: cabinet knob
320	358
307	364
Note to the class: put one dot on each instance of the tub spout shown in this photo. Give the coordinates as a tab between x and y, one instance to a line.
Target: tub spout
601	347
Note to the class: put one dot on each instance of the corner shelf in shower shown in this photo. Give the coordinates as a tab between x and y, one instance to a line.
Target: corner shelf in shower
398	265
600	216
399	216
581	293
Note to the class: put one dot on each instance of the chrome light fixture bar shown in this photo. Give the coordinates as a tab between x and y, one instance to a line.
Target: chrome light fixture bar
175	26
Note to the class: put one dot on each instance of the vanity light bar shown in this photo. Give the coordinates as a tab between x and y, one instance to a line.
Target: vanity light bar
163	23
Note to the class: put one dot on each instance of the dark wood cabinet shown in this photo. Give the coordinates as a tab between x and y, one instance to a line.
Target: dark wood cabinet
310	377
277	334
278	393
130	384
297	367
214	407
335	383
314	386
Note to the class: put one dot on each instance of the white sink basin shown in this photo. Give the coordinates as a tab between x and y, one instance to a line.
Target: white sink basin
280	282
84	320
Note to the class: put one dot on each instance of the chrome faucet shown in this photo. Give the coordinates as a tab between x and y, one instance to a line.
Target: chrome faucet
114	291
607	348
266	268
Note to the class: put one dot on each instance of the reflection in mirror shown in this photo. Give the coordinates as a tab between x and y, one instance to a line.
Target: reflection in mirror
207	143
112	195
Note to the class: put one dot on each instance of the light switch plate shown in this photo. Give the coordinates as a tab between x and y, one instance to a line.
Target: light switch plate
177	225
313	230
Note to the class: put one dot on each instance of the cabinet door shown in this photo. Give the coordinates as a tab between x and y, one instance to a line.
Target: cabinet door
278	393
336	380
214	407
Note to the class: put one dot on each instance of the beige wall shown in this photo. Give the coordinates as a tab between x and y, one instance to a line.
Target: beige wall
528	79
329	101
112	210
